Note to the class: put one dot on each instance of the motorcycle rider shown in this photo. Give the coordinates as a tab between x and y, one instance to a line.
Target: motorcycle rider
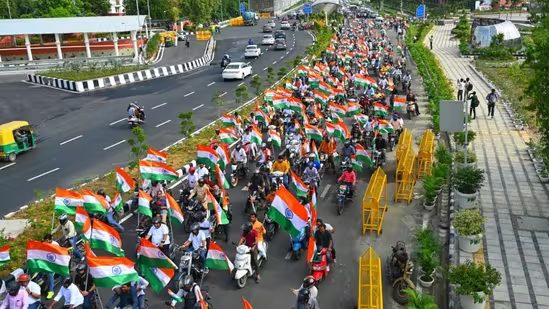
206	229
260	229
249	238
328	147
110	212
250	42
32	289
257	183
412	99
225	61
323	239
196	242
310	174
348	150
190	292
69	232
264	154
305	301
70	292
201	192
192	178
84	282
202	170
308	283
282	165
356	132
381	145
159	235
348	177
239	155
247	142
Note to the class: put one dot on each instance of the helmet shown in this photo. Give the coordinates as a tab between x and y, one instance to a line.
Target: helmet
187	282
310	164
303	296
238	146
13	288
256	171
195	227
81	267
201	181
67	281
63	218
308	282
23	278
395	116
347	143
200	217
191	170
157	220
246	227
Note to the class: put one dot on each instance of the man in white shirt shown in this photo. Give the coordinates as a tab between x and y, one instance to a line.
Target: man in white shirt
192	178
239	154
202	170
140	287
70	293
32	288
159	235
196	241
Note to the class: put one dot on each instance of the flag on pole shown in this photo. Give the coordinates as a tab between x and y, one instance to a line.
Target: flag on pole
221	179
217	259
300	188
175	211
361	119
47	257
280	102
384	126
246	304
152	170
229	121
256	136
105	237
315	151
340	110
174	296
156	155
124	181
288	212
158	277
341	131
108	271
150	255
206	155
275	138
223	155
295	105
363	154
228	135
117	202
353	109
220	215
311	248
313	132
4	255
144	203
357	165
94	203
66	201
399	103
380	110
82	221
321	97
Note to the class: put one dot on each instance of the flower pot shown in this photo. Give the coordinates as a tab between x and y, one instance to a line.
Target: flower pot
426	283
460	165
428	207
464	200
544	178
468	302
470	244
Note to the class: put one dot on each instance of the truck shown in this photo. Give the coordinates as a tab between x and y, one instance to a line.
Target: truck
249	18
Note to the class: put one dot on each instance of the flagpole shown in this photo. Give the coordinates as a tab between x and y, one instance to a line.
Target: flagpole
87	268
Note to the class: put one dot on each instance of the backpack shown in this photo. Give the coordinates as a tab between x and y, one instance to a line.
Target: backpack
469	87
474	101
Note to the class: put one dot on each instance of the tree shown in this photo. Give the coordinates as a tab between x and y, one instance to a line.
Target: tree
96	7
297	61
218	101
281	72
198	11
186	125
417	300
241	94
256	84
138	147
270	76
160	9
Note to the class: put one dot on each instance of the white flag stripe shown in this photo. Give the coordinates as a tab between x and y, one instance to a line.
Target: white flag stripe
105	236
150	252
165	279
58	259
107	271
68	201
4	256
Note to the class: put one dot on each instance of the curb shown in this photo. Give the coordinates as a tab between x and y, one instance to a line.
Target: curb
127	78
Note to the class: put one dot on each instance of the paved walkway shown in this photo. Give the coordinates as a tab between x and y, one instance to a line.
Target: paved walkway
180	54
513	200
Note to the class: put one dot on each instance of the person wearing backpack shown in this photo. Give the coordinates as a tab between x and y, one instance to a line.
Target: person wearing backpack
468	87
474	104
492	98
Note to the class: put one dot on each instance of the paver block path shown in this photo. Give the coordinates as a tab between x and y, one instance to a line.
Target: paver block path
513	200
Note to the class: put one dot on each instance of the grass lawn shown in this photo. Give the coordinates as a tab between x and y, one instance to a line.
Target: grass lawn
91	74
512	80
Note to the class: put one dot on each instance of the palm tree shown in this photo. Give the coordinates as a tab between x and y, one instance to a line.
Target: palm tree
417	300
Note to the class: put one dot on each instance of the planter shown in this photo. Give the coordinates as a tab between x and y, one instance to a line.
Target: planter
428	207
468	302
464	200
470	244
542	178
426	284
460	165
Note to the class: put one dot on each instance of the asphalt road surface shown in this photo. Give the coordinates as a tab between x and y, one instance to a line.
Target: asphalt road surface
84	136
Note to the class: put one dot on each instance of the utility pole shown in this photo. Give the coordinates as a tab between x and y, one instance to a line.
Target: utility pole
401	11
9	10
149	15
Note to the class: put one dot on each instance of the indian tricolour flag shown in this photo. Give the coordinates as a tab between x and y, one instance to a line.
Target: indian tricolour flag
268	95
313	132
300	188
66	201
175	211
399	103
156	155
363	154
117	202
224	155
109	271
157	171
4	255
105	237
82	221
295	105
353	109
217	259
228	120
331	128
361	119
380	110
158	277
288	212
325	88
221	179
94	203
302	70
206	155
144	203
275	138
261	116
124	181
357	165
384	126
321	97
227	135
220	214
256	136
47	257
341	131
340	110
280	102
150	255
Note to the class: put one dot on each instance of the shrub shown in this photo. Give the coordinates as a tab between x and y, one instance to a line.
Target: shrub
460	156
468	180
472	279
469	222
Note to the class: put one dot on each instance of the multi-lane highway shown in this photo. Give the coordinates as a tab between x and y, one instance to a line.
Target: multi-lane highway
84	136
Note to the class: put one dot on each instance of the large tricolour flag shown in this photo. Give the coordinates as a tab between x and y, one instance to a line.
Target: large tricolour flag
158	277
227	135
152	170
105	237
156	155
150	255
217	259
108	271
300	188
380	110
220	214
144	203
288	212
363	154
67	200
206	155
313	132
94	203
220	177
399	103
175	211
4	255
82	221
124	181
47	257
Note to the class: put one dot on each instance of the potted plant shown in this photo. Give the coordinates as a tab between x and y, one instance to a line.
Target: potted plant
459	137
427	239
431	187
441	172
443	155
459	157
473	282
429	262
469	226
543	175
467	182
418	300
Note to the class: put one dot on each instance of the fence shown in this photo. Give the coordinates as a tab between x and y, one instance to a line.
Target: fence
374	202
370	285
425	154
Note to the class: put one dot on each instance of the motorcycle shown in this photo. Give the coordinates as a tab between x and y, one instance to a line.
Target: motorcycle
243	264
379	159
345	162
225	62
343	194
271	227
238	171
392	141
410	109
399	269
299	243
189	264
325	163
192	213
320	267
254	202
138	118
277	180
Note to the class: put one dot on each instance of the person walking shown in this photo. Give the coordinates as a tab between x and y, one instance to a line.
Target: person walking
461	89
474	104
492	98
431	42
468	87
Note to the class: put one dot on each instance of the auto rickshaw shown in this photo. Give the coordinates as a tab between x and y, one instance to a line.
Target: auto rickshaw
15	137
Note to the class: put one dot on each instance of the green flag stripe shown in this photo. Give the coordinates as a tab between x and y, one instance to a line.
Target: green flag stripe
36	265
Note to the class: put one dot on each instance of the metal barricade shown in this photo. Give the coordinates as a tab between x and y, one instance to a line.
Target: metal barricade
370	284
405	178
374	202
425	154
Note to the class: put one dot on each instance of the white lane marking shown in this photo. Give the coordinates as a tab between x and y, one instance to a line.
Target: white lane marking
114	145
7	165
162	123
188	94
159	105
265	69
115	122
325	191
211	84
274	62
281	57
242	83
43	174
287	52
199	106
126	218
254	75
224	93
70	140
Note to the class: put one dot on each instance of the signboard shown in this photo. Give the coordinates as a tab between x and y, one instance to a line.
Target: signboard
307	8
452	115
420	11
242	7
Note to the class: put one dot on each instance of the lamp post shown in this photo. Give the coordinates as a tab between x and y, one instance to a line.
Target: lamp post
149	14
9	10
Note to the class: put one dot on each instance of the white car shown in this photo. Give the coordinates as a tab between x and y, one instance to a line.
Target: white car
252	51
268	39
272	24
237	70
285	25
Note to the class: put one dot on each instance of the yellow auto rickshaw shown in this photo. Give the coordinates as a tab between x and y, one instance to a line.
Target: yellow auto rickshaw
15	137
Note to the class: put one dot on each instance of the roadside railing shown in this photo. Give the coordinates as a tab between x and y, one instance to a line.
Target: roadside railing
53	63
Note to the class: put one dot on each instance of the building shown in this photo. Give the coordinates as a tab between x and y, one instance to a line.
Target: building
117	7
272	6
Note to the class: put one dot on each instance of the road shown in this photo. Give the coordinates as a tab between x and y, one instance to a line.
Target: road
84	136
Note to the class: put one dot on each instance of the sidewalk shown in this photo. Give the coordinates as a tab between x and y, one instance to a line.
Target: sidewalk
514	202
180	54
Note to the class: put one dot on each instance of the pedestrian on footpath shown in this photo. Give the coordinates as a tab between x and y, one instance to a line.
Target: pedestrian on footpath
492	98
461	89
474	104
431	42
468	87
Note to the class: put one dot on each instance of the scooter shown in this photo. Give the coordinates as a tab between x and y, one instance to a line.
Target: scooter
299	243
238	171
137	119
243	264
277	180
320	266
270	226
410	109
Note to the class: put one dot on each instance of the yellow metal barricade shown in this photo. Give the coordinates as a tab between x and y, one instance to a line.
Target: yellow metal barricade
238	21
370	285
265	15
374	203
405	178
404	143
425	154
203	35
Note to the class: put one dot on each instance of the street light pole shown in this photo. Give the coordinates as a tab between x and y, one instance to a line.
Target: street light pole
9	10
149	14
